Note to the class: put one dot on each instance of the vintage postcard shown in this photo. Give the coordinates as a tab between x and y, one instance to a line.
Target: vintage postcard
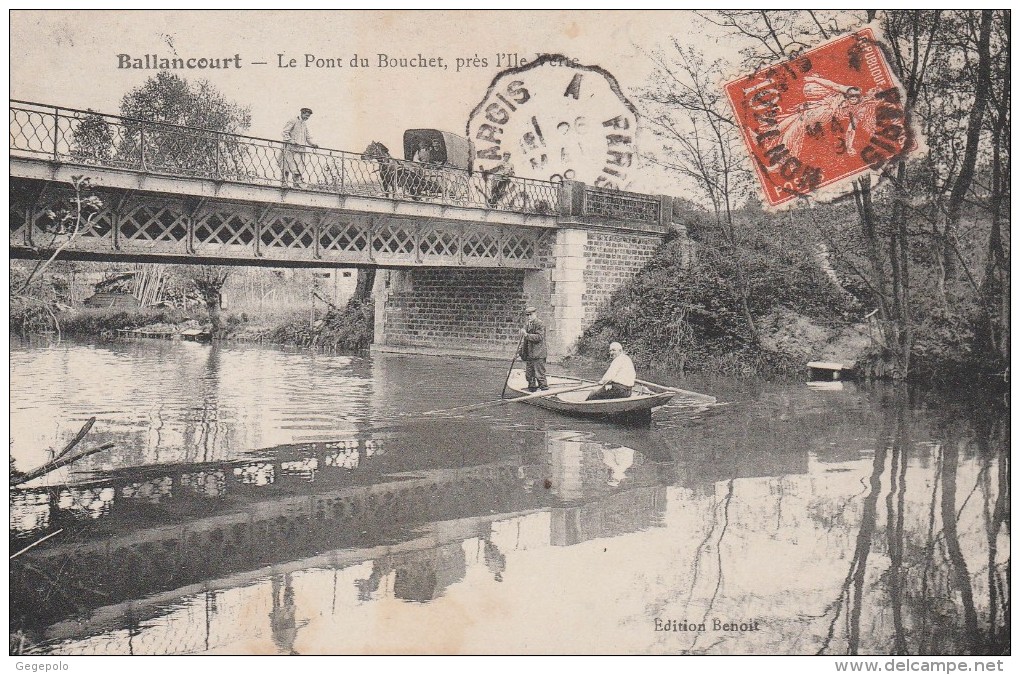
510	332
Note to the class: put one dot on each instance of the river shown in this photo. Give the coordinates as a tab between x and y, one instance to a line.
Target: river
261	500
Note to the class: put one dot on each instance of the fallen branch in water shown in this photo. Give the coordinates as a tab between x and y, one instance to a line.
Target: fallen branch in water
56	464
36	543
76	440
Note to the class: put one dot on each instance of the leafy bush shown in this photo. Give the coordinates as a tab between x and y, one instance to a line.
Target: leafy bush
685	311
348	330
27	318
351	329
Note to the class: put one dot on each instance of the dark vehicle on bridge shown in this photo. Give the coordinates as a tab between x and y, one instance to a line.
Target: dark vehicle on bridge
425	173
446	149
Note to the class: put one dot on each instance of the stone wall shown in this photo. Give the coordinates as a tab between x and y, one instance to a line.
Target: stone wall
612	259
452	310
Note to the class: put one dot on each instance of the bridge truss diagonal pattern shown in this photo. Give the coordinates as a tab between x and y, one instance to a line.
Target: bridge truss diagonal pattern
171	229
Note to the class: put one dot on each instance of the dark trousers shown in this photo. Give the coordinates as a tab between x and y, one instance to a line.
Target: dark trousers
611	390
534	369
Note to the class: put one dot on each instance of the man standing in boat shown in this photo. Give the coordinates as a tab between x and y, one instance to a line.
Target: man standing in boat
618	382
534	351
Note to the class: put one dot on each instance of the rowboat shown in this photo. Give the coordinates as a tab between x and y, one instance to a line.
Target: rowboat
572	401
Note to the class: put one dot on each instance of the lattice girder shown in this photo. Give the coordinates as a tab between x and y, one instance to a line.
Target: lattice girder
344	237
153	223
439	241
157	226
223	228
394	239
481	244
519	246
288	232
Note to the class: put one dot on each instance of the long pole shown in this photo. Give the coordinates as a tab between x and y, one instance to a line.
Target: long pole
511	369
520	399
692	394
36	543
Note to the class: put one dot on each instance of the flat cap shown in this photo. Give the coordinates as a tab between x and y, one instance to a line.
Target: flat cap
307	110
530	310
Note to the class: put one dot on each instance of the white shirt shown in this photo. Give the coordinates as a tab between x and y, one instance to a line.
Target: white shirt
296	131
621	371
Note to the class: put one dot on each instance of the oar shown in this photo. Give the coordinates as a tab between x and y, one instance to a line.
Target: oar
500	401
710	399
511	369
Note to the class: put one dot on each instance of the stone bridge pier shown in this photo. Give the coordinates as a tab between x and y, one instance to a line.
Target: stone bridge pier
479	311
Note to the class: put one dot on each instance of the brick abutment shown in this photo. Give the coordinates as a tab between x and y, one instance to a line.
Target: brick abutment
479	311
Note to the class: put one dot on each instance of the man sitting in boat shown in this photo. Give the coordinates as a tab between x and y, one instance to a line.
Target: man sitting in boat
618	382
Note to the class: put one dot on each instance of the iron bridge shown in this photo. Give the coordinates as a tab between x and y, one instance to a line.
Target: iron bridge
187	195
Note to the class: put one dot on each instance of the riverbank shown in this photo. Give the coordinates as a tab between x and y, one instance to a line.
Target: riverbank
773	307
341	330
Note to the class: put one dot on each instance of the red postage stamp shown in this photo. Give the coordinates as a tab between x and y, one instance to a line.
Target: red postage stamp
822	117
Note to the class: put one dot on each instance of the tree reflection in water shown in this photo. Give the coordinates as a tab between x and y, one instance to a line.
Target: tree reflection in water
924	579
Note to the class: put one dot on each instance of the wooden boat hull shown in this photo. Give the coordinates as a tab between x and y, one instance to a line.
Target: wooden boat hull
638	405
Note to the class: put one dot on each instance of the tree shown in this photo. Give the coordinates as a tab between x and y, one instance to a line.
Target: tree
32	293
182	123
702	143
995	282
208	280
928	249
363	287
173	124
942	223
170	98
92	139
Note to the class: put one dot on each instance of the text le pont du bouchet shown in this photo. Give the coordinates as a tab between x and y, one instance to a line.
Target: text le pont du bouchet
157	62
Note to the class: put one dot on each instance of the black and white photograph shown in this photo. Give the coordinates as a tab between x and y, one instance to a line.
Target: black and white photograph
516	332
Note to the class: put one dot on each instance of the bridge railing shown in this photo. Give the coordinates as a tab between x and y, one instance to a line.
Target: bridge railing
619	205
90	138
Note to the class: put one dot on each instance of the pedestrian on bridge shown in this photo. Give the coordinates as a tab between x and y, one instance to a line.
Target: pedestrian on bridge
296	137
534	350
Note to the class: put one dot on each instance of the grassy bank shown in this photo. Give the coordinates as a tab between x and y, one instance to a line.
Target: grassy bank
92	322
343	330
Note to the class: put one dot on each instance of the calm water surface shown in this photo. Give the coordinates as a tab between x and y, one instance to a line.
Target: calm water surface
263	501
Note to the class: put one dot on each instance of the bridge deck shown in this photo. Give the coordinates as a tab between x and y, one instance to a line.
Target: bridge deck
180	194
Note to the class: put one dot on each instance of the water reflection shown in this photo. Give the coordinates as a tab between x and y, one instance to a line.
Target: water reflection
283	617
172	402
858	521
30	512
208	483
152	491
